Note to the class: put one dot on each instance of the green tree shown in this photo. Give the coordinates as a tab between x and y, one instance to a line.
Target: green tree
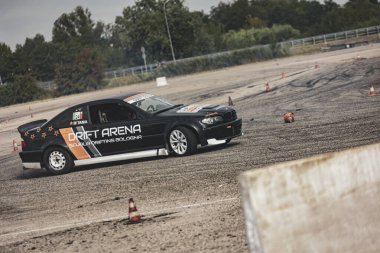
78	26
6	63
362	13
249	37
354	14
240	39
143	25
24	88
84	74
36	57
329	5
84	48
233	15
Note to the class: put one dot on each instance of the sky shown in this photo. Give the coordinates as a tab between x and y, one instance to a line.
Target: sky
20	19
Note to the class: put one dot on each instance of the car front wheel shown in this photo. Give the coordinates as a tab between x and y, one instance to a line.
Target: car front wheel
57	161
182	141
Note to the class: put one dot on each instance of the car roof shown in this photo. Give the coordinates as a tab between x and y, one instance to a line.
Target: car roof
122	96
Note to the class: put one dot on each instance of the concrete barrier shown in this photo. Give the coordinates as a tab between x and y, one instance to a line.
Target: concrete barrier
329	203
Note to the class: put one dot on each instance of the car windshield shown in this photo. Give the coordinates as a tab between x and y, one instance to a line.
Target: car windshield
149	103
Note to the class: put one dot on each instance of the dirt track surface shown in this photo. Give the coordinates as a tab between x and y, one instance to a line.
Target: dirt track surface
190	204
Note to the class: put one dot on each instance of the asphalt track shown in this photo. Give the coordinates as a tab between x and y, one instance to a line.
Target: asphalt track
191	204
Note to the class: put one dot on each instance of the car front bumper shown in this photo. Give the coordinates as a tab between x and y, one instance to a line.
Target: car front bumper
224	131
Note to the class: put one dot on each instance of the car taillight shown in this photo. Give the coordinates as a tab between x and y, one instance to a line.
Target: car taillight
23	144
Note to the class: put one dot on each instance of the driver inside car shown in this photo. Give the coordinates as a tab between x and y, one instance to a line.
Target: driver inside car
132	115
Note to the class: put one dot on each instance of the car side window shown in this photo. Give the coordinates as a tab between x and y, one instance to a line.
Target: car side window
111	112
62	120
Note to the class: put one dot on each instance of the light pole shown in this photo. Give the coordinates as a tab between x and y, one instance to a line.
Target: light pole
167	28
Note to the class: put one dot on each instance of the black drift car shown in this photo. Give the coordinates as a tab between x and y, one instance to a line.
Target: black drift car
135	125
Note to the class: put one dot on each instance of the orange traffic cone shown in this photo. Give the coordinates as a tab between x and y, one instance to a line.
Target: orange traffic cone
372	92
267	88
133	213
288	117
15	146
316	65
282	75
230	103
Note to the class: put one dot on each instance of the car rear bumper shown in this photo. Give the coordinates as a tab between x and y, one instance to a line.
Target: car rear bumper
31	166
224	131
31	159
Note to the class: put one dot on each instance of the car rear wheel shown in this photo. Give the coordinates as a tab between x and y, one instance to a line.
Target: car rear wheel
182	141
57	161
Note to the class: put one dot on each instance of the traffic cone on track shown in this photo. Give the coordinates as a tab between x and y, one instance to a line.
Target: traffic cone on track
267	88
282	75
230	103
134	216
15	146
372	91
288	117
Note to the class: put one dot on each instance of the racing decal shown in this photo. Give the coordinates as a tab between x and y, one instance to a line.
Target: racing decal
191	108
77	115
78	118
83	143
91	147
137	98
74	144
105	132
79	122
41	133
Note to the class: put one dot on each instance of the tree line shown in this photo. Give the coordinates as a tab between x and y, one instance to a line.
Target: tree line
82	48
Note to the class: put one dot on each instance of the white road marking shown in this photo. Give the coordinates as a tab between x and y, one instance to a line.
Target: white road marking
85	223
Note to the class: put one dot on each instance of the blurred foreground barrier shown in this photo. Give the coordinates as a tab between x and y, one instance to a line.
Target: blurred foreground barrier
329	203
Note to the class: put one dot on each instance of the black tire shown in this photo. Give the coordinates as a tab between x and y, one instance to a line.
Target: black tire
182	141
57	161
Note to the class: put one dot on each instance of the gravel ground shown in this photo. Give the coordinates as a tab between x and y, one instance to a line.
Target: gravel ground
192	204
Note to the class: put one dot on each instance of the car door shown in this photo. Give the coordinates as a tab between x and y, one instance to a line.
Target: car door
111	132
118	128
152	129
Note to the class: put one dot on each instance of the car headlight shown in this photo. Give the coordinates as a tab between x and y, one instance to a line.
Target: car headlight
212	120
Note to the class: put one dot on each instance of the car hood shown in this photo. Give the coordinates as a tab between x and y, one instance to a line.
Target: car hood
198	110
